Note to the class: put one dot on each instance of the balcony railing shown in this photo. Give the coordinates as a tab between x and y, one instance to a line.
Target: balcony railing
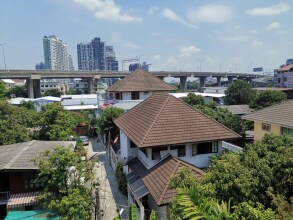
4	197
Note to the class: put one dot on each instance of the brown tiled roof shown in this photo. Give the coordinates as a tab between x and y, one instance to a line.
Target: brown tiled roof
286	68
140	80
165	120
157	178
237	109
281	114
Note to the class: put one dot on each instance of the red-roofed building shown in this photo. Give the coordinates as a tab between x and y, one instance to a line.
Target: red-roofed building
284	77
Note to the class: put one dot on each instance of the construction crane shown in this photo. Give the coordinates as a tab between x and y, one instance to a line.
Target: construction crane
137	59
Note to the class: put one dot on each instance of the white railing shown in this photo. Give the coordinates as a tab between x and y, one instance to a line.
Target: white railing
4	196
231	147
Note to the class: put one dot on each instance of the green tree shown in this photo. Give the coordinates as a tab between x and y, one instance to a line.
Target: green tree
106	120
153	216
192	85
3	90
192	99
17	91
53	92
56	123
28	105
17	123
63	175
238	93
70	92
267	98
224	117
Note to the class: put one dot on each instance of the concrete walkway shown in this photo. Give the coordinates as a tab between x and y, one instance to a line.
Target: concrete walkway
110	197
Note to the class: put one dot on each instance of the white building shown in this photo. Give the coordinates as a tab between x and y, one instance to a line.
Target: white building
138	85
55	53
53	84
159	135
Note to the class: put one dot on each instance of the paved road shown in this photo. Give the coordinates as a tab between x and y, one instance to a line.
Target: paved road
110	197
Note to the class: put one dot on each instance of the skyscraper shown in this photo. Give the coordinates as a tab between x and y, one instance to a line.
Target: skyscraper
70	62
55	53
96	56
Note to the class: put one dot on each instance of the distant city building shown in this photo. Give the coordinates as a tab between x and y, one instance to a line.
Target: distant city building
96	56
257	69
55	53
53	84
289	61
283	77
40	66
144	66
134	66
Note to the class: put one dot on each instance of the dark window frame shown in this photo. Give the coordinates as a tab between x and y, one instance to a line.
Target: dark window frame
181	150
266	127
156	155
205	148
134	95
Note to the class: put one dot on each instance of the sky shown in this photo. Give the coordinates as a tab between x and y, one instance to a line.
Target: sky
189	35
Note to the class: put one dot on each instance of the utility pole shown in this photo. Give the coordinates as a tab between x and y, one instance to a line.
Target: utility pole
3	54
200	61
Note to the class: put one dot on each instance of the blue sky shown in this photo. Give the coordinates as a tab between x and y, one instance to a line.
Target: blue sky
169	34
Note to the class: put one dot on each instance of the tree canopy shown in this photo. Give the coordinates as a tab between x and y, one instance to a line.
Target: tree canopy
106	120
17	91
65	174
257	182
3	90
53	92
192	99
56	123
267	98
16	124
239	92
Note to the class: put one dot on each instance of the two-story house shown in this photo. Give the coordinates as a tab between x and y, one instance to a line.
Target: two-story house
138	85
18	171
164	130
276	119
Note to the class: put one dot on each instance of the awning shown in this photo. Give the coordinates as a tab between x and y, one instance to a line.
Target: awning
21	200
136	185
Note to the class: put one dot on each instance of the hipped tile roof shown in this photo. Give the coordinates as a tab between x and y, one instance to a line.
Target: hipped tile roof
140	80
165	120
280	114
286	68
157	178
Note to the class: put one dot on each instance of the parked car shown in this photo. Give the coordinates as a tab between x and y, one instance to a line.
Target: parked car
84	140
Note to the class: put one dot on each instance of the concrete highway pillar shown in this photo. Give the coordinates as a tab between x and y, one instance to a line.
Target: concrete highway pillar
90	85
202	80
219	80
37	87
183	83
30	88
230	79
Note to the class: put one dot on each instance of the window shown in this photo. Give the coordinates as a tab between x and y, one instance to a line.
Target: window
118	95
134	95
266	127
46	85
132	145
286	131
30	184
51	85
42	85
181	150
156	152
205	148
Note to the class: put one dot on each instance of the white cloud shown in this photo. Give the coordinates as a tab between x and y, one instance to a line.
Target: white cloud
210	13
256	43
234	38
153	9
188	51
107	10
274	26
171	15
268	11
157	57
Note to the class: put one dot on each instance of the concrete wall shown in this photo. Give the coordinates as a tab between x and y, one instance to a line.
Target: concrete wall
142	95
259	133
126	151
161	211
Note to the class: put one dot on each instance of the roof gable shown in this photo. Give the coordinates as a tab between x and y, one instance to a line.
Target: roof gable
165	120
157	178
140	80
281	114
286	68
